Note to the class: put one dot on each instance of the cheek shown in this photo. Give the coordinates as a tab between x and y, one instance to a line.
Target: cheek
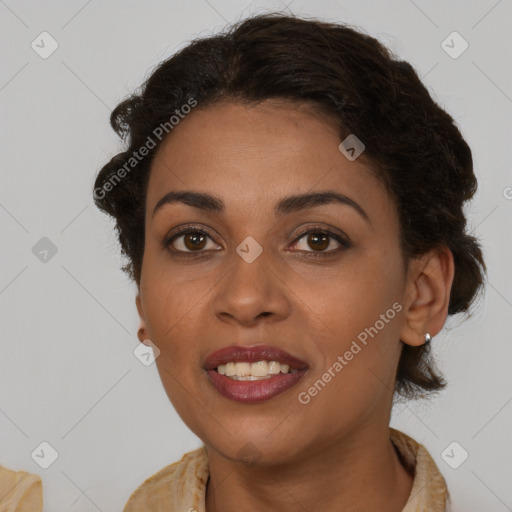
355	295
169	294
361	309
357	364
170	310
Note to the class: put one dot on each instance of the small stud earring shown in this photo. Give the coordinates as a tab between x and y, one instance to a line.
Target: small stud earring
427	338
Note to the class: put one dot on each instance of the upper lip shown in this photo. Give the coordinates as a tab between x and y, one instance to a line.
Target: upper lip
252	354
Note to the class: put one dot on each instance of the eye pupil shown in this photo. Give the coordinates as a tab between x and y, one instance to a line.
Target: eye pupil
194	237
315	237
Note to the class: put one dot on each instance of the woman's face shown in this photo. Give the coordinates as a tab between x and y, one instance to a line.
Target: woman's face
256	278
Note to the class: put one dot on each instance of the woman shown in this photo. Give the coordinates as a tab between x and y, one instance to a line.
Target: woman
290	203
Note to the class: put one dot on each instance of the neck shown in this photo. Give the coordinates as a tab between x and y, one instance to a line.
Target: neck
360	472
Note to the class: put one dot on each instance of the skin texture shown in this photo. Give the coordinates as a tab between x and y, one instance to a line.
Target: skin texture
333	453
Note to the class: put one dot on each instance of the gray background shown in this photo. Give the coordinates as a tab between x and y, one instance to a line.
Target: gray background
68	325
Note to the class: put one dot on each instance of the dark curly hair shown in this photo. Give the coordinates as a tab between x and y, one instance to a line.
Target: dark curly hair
411	143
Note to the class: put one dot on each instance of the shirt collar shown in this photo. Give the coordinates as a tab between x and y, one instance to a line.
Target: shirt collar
182	485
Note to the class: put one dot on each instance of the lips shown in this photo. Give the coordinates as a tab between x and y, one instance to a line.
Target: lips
253	391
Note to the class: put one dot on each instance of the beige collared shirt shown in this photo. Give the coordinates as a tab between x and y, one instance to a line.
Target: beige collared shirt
181	487
20	491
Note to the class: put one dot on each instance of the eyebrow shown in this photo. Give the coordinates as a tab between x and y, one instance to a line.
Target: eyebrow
287	205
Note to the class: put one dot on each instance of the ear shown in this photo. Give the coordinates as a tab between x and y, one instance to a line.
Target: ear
427	295
142	333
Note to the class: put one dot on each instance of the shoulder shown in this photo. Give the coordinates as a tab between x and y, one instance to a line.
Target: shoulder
20	490
178	485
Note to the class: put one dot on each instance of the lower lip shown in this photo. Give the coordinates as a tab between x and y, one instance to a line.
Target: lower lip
253	391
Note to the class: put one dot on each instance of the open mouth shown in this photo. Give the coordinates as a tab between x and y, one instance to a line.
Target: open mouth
253	374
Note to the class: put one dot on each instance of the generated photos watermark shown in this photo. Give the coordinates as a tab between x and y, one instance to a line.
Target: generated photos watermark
304	397
138	155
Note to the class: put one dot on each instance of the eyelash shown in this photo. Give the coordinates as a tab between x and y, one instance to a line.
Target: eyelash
345	244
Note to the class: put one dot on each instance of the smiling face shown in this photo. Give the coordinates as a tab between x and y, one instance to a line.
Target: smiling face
328	272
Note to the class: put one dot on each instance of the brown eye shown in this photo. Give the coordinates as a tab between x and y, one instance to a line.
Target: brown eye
188	240
318	241
194	240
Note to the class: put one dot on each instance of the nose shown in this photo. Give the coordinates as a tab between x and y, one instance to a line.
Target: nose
251	291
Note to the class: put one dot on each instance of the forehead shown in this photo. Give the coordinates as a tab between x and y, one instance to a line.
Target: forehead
251	153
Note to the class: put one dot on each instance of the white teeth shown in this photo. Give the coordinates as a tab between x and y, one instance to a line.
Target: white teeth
230	369
259	369
250	377
253	371
242	369
274	368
